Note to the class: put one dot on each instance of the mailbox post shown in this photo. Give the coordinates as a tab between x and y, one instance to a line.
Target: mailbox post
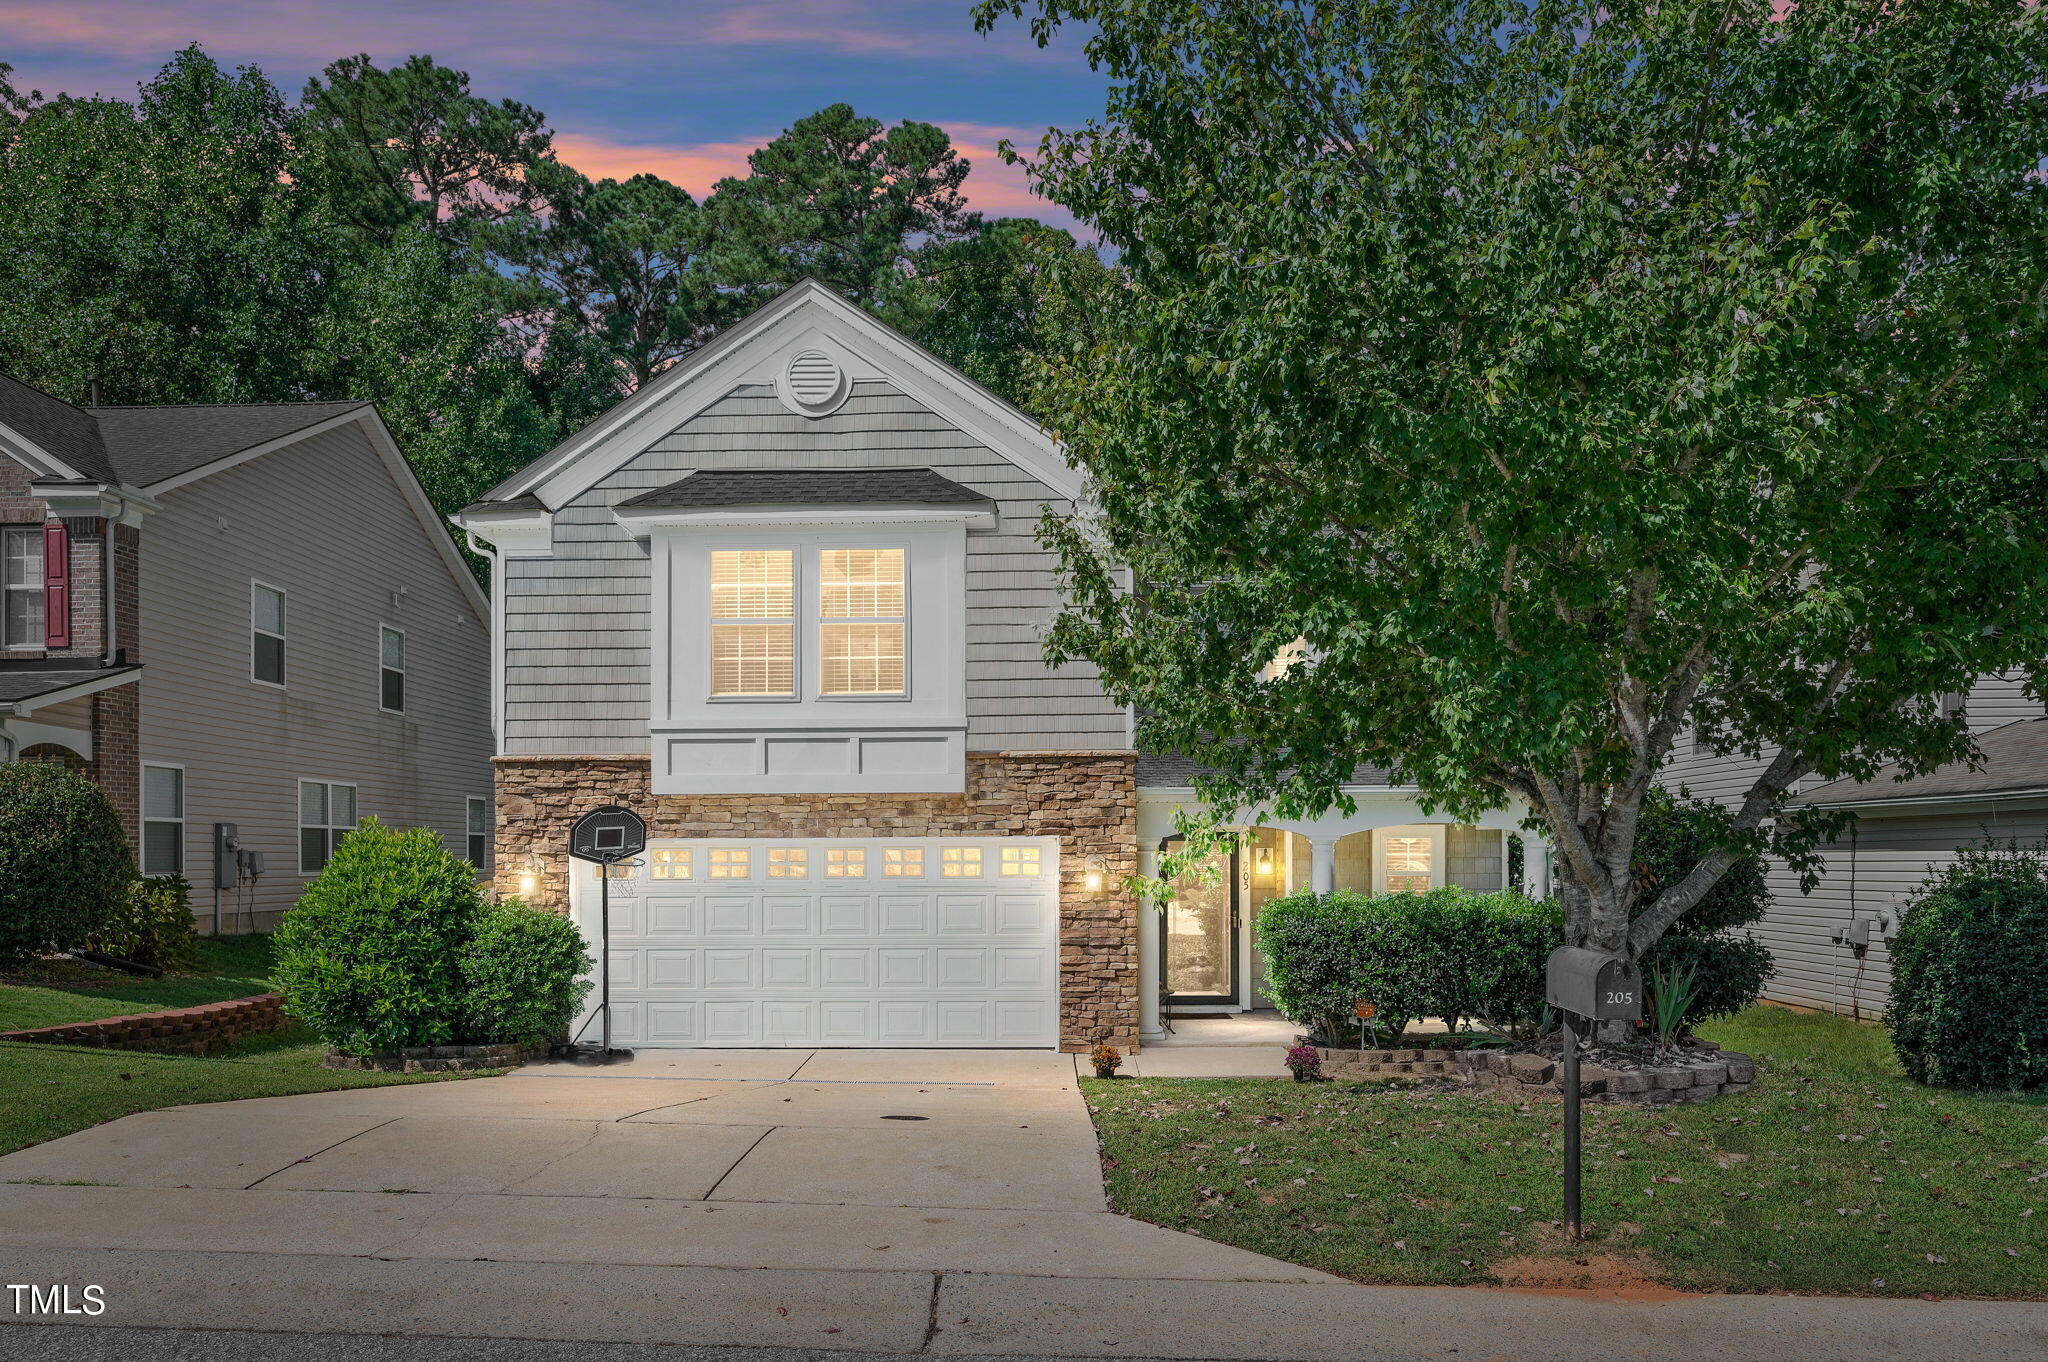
606	836
1585	985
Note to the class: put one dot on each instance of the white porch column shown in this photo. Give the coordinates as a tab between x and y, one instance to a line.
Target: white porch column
1536	866
1149	1028
1322	862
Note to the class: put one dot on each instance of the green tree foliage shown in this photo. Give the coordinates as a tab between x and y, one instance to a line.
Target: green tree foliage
522	976
1967	1006
410	146
155	244
1728	966
994	303
65	871
1569	376
842	199
371	955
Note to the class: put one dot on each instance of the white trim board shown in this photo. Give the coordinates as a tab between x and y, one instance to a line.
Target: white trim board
807	316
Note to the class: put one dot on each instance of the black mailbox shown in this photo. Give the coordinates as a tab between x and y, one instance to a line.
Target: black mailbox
1593	984
608	834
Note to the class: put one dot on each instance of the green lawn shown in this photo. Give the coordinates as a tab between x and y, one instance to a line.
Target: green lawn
1834	1174
55	992
52	1090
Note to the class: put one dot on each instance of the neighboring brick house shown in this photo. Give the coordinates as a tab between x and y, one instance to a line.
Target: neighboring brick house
787	602
238	615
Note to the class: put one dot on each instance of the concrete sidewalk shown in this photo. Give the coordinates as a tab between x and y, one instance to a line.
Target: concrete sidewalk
892	1202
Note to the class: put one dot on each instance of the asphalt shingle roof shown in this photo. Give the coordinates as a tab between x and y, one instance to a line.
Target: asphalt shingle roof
25	683
526	502
142	446
2015	761
808	487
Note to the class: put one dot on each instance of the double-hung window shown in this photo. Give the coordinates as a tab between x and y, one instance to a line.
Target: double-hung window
391	669
479	847
163	820
753	623
327	813
859	611
21	624
860	622
266	634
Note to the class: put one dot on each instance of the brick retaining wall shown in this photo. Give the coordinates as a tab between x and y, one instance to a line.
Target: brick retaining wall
180	1031
1088	800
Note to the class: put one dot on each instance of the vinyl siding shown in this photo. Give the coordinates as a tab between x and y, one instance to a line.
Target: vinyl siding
1891	857
577	624
325	521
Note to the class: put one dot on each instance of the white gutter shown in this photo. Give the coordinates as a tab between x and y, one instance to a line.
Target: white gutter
497	598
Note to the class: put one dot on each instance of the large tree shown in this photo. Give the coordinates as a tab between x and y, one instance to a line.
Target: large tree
1569	376
842	199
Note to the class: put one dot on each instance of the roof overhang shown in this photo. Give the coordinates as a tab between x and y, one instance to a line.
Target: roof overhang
515	532
642	521
40	461
1901	805
101	500
57	695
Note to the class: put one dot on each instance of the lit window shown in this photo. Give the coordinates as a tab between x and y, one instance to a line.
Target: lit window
1020	860
391	668
1293	653
902	862
163	820
266	634
788	863
22	622
669	863
956	863
860	634
479	831
846	863
728	863
327	813
1409	863
753	616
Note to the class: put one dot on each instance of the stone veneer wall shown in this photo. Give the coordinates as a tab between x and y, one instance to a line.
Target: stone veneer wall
1086	799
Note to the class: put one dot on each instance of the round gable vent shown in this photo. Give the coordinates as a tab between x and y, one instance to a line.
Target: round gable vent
814	382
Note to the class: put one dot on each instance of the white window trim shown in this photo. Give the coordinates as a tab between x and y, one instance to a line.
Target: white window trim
818	623
796	553
469	806
404	672
283	639
299	814
184	806
41	588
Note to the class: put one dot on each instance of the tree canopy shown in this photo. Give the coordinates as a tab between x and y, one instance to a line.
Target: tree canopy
1570	377
395	236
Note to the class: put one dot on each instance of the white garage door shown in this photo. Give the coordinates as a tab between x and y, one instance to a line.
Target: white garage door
917	942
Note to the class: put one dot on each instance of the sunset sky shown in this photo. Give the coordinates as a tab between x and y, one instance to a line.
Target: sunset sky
684	89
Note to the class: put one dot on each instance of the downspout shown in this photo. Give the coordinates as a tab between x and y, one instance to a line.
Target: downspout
491	556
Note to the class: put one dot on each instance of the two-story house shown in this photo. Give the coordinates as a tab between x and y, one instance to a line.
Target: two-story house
248	625
787	602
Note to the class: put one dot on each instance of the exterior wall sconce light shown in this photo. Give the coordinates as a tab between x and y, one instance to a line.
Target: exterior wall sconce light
1262	864
529	878
1092	873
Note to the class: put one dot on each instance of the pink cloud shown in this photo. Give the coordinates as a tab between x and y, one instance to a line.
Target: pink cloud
996	189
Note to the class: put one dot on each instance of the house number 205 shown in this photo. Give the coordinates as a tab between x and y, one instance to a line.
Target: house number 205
1618	996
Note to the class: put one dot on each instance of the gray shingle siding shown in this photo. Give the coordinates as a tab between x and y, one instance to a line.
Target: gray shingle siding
577	625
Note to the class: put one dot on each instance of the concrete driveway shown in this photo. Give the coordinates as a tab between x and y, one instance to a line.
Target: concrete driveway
887	1201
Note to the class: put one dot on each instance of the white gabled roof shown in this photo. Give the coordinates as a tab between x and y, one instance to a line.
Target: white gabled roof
807	316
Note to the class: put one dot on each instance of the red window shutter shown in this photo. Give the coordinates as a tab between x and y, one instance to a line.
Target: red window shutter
56	586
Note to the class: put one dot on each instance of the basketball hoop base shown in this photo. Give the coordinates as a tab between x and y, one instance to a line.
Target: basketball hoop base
593	1054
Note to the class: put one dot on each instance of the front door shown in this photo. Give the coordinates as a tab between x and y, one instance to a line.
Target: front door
1200	939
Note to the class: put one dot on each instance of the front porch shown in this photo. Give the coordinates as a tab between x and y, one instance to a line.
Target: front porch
1198	957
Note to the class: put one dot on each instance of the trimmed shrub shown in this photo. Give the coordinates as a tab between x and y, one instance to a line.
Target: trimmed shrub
1447	953
65	870
1968	1008
155	926
1730	967
522	976
371	956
